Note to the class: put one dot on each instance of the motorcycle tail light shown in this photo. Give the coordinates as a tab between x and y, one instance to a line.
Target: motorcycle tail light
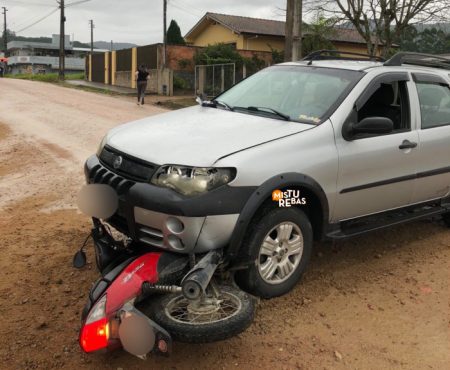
95	331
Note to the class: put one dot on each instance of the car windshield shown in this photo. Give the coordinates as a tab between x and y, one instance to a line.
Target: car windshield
296	93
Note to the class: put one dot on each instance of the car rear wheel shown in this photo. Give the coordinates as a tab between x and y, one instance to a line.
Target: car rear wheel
281	244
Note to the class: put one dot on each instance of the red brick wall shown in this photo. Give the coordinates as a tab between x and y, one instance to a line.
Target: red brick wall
175	53
264	55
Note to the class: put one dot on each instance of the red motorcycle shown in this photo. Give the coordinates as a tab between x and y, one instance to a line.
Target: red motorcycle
145	298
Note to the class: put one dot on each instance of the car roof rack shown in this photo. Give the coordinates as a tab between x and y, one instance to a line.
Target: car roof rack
337	55
419	59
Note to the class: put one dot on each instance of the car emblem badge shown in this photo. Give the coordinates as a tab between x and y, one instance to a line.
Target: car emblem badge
117	162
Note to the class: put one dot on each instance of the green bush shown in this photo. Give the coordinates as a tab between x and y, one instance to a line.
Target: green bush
184	63
180	83
218	54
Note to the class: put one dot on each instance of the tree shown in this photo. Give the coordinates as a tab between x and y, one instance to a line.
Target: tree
317	34
174	34
10	36
430	40
381	22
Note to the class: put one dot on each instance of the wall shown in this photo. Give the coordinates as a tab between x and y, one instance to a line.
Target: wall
175	53
263	43
353	47
70	63
123	78
215	33
264	55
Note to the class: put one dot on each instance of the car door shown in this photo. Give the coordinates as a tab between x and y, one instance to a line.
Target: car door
433	162
377	171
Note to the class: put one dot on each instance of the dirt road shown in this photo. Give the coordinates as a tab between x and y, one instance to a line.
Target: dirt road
376	302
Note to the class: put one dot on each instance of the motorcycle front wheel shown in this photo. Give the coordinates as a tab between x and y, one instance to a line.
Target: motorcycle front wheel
210	319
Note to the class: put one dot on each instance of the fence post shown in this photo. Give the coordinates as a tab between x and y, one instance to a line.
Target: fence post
201	79
222	86
133	67
90	67
113	67
106	67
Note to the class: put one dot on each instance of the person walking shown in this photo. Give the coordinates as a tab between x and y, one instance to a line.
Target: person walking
141	78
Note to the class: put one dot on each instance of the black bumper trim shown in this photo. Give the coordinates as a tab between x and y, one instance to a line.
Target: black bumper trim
221	201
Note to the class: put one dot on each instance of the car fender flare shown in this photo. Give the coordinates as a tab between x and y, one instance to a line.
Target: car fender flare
262	193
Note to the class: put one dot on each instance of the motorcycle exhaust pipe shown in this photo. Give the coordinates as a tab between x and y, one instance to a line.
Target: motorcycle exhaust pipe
197	279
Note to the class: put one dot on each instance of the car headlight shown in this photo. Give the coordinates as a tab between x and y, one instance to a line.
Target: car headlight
191	181
101	146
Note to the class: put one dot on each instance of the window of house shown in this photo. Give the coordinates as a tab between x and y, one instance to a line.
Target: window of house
434	104
390	100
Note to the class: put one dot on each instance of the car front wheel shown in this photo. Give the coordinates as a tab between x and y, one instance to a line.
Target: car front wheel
446	218
281	244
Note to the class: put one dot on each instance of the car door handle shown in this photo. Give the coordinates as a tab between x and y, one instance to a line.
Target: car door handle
407	145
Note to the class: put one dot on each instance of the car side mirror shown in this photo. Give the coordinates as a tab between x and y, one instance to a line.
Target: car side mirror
373	125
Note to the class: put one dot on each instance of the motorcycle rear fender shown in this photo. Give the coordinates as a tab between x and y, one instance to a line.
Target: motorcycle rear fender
124	282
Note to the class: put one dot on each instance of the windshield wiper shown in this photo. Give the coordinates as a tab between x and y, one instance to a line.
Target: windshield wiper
222	103
267	110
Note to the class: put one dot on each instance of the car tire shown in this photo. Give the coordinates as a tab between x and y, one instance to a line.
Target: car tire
280	244
446	218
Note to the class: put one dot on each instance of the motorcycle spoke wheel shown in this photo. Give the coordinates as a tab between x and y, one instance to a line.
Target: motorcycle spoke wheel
182	310
209	320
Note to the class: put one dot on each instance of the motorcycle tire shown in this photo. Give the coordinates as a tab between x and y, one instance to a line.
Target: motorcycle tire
159	307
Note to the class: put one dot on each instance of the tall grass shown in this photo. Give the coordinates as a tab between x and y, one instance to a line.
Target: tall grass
48	77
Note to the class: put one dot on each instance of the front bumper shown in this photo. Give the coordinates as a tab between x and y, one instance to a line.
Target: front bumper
160	217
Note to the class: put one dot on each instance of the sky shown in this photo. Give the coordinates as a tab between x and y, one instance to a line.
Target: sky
135	21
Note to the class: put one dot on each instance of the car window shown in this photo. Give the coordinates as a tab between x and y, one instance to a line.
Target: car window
434	104
305	94
391	101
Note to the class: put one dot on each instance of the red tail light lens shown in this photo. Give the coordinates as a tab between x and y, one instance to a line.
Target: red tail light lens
95	332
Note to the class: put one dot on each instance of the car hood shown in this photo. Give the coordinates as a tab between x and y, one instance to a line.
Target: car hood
197	136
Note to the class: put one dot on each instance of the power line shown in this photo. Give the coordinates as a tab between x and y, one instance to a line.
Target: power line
189	5
38	21
76	3
49	14
29	3
181	7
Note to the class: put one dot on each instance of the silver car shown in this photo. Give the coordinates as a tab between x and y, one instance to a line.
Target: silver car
325	148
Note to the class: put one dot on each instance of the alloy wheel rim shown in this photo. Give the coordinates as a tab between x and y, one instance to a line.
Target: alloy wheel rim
280	253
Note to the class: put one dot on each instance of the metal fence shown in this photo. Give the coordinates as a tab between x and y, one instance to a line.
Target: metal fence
98	68
148	56
124	60
211	80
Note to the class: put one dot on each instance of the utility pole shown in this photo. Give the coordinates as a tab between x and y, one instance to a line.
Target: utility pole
5	36
91	23
112	45
293	44
62	41
165	35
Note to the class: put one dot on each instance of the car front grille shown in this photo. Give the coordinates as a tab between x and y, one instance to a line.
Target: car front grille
101	175
129	167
